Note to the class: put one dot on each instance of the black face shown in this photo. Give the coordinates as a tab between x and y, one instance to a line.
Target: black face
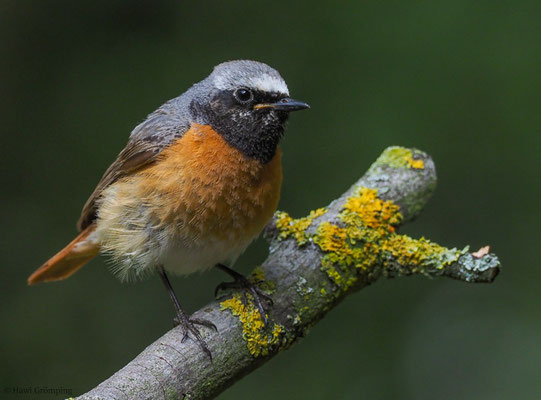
255	132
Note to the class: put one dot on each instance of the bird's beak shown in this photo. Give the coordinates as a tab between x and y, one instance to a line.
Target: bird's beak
285	104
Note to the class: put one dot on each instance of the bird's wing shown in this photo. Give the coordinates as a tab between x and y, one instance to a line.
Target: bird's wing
146	141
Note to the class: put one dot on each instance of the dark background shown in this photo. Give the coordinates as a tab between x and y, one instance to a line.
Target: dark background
458	79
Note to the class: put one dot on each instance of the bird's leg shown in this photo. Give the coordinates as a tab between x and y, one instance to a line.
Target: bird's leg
187	323
242	283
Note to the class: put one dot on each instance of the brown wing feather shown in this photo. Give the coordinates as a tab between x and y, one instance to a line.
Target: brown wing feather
134	156
146	141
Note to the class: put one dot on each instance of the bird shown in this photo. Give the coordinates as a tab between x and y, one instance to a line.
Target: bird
196	183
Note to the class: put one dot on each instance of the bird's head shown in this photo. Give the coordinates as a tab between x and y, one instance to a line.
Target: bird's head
248	103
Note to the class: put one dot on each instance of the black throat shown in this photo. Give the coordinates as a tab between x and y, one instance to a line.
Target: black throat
255	133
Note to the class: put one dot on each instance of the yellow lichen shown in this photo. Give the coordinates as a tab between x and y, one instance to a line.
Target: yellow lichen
257	277
367	221
258	340
417	164
399	157
331	238
408	251
296	227
367	209
367	238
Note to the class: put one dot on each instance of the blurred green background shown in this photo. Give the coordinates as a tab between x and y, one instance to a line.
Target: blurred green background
458	79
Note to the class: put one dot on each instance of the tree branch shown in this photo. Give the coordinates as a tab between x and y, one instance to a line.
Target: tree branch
314	262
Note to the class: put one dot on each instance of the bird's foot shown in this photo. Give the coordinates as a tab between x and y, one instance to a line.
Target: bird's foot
188	324
240	282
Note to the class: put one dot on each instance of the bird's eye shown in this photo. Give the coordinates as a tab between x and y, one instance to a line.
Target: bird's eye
243	95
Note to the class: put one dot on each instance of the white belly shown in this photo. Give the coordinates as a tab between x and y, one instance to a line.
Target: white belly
182	260
141	253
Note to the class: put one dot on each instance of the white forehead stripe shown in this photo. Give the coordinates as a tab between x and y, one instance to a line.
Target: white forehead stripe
263	82
267	83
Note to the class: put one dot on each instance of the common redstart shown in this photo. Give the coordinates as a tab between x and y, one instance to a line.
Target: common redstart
194	186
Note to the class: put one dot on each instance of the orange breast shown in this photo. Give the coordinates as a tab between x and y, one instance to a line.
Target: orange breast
201	187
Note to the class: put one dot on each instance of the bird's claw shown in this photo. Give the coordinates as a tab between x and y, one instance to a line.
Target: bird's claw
242	283
188	325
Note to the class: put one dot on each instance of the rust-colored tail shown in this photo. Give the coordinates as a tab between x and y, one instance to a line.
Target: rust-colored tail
68	260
